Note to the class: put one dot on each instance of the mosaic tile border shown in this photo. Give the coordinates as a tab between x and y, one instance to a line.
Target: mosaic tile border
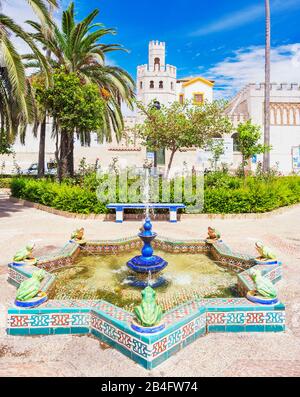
111	324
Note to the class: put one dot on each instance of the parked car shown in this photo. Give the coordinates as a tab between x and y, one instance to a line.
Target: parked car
50	169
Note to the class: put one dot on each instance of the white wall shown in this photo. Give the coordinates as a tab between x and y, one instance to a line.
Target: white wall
197	87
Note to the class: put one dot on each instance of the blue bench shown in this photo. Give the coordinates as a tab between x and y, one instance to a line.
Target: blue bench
119	207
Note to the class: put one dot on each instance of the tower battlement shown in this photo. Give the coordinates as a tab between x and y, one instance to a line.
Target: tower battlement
156	80
276	86
157	44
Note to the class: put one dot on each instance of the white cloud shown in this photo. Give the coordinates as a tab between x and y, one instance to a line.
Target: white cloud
20	11
230	21
247	66
244	16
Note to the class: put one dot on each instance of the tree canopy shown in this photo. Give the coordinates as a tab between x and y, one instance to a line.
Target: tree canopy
76	107
248	140
180	126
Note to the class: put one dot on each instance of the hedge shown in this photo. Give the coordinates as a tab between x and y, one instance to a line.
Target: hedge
223	195
5	183
60	196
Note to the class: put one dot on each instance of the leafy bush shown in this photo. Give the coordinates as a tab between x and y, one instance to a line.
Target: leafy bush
59	196
252	195
223	193
5	183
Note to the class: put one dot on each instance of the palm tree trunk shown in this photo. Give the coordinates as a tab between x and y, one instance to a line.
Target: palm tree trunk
41	161
266	166
42	145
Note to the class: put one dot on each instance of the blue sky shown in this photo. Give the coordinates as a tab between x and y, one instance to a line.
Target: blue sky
218	39
204	37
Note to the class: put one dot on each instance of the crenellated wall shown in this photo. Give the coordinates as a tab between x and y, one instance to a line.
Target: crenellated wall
285	118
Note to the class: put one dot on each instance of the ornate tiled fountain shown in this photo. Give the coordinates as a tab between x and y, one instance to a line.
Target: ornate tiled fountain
113	325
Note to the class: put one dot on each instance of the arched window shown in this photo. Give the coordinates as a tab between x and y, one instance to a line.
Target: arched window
172	86
156	62
141	85
236	146
161	84
151	84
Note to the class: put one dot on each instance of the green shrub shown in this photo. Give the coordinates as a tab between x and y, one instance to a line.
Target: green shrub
5	183
252	195
59	196
223	194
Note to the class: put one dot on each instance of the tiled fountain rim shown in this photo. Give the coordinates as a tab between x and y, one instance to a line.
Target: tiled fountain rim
113	324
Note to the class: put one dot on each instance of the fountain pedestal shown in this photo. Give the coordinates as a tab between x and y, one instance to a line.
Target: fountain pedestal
147	264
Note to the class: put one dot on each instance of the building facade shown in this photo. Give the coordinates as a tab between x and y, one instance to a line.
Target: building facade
285	122
158	81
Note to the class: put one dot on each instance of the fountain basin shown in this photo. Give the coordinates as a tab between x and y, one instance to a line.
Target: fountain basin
187	276
190	310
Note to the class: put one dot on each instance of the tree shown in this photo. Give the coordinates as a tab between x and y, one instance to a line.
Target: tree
266	163
76	47
76	107
42	143
248	139
217	149
182	126
15	91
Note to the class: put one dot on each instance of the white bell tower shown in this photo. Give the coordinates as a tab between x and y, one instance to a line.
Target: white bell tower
157	55
156	80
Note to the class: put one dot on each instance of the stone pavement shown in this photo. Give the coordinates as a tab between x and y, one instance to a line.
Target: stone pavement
214	355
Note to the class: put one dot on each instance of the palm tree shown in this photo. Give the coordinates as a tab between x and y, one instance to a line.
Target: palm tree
266	164
15	90
42	143
76	47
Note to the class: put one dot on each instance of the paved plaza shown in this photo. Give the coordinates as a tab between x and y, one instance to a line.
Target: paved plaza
213	355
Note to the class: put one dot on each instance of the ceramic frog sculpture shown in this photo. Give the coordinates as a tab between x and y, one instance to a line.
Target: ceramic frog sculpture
78	234
149	313
29	288
264	252
213	234
264	286
24	253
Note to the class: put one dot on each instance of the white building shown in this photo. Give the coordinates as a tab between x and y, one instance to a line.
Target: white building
285	121
158	81
155	80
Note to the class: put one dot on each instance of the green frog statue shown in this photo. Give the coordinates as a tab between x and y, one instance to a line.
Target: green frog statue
264	288
31	288
25	255
265	253
213	235
149	313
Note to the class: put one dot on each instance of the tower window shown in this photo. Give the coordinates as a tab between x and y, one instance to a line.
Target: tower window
161	84
151	84
172	86
156	62
141	85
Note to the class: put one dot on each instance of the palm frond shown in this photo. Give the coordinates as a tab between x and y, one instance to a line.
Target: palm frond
40	9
